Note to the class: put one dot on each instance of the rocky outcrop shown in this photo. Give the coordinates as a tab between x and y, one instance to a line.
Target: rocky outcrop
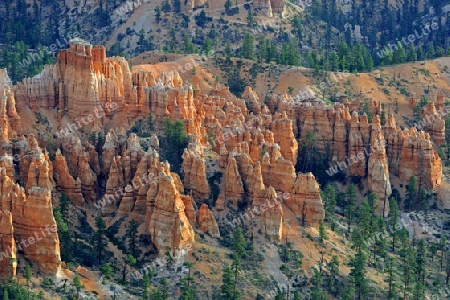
356	149
264	6
276	171
419	159
272	216
10	121
305	201
114	186
234	188
378	179
207	222
169	226
35	226
284	136
8	261
194	169
32	217
189	209
433	121
87	177
65	181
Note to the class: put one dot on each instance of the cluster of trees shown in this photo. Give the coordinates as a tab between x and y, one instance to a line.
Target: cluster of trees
408	267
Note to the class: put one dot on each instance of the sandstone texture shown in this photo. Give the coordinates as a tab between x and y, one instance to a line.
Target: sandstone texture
255	144
378	178
169	226
8	263
207	222
195	172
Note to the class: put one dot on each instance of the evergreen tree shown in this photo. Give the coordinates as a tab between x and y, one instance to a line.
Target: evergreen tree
187	290
133	238
100	243
412	56
77	284
358	274
333	269
227	6
329	197
247	47
28	274
145	286
176	6
322	232
316	289
391	279
350	204
239	244
63	232
365	219
227	289
207	47
411	192
408	266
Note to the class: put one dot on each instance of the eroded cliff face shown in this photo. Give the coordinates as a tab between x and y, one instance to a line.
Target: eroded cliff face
207	222
8	261
169	226
195	171
347	137
256	146
32	217
378	178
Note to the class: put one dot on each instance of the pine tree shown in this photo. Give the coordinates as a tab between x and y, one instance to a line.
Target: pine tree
391	279
247	47
329	202
227	289
350	204
412	56
158	14
408	266
100	243
145	286
28	274
411	192
333	269
132	234
322	232
358	274
316	289
5	294
187	291
207	47
77	284
297	296
228	5
239	244
365	219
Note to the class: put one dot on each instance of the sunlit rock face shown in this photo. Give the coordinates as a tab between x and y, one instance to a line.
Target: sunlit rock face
8	263
169	226
378	169
207	222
